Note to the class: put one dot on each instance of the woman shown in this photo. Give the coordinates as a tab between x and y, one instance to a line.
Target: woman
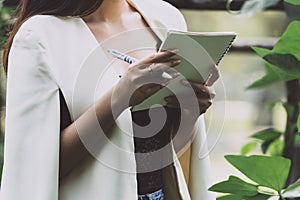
69	124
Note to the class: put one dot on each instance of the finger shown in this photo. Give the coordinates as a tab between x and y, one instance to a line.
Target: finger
149	89
160	73
214	76
168	64
212	92
167	67
200	89
159	57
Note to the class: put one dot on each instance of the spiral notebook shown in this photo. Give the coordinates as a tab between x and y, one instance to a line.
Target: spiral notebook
198	51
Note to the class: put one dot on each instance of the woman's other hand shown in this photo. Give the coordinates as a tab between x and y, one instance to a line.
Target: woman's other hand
198	97
195	101
192	102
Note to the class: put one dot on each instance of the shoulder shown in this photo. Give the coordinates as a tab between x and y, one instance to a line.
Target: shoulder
42	24
163	11
28	33
160	6
36	23
40	28
166	10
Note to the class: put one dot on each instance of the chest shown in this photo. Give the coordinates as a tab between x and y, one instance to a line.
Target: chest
134	38
137	43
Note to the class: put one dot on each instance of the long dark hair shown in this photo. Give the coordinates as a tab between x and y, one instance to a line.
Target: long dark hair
29	8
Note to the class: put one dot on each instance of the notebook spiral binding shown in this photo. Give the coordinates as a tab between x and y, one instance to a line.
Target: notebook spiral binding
226	50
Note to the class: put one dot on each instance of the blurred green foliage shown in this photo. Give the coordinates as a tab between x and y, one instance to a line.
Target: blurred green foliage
6	20
270	174
283	64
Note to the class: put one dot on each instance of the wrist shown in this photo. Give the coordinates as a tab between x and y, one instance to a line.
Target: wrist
118	102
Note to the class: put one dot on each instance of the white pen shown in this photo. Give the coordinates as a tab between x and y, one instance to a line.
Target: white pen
131	60
122	56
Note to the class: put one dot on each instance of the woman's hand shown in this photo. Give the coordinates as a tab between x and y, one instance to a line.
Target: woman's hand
198	96
144	78
195	101
192	103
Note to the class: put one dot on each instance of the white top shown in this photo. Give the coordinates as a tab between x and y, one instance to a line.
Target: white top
49	54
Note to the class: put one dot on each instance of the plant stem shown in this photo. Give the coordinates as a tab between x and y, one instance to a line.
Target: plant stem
291	151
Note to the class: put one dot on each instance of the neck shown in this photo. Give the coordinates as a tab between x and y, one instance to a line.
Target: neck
110	11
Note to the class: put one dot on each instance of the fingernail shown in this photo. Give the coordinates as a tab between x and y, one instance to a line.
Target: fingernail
176	62
175	75
165	84
175	51
185	82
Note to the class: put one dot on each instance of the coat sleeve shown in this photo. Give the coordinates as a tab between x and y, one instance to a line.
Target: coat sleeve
31	152
200	169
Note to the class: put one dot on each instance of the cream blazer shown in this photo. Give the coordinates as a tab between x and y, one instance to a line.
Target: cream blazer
51	54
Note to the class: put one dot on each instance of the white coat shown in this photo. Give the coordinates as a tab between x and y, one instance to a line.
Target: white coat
47	56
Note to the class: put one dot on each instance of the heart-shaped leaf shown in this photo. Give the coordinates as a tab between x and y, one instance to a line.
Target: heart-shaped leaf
287	62
268	171
248	147
235	185
267	134
289	41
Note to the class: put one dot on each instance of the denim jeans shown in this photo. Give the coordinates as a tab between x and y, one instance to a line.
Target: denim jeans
158	195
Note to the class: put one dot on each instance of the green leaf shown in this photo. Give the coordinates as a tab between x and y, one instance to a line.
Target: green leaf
230	197
282	74
257	197
268	171
261	51
283	59
292	191
275	148
292	9
289	41
235	185
271	142
295	2
273	75
270	77
249	147
265	145
237	197
267	134
287	62
297	140
289	109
